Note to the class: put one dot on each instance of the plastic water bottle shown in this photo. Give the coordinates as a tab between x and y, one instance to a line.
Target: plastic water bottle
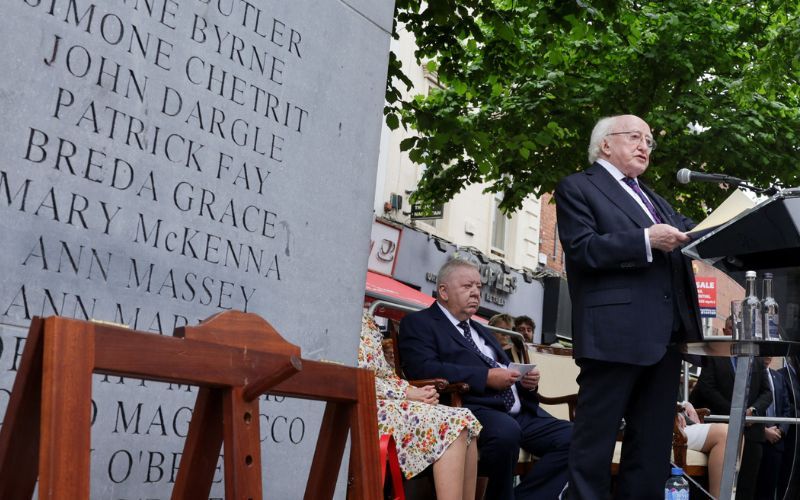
677	487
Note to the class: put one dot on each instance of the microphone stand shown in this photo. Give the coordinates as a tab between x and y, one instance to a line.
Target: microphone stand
769	191
790	192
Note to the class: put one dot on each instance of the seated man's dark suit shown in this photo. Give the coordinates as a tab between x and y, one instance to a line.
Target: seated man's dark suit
714	390
431	346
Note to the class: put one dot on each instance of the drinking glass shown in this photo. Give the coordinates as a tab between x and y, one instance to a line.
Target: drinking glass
737	325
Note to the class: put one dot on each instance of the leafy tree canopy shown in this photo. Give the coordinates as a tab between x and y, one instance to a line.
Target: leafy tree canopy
524	81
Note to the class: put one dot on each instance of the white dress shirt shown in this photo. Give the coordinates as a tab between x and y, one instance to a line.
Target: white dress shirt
485	349
618	175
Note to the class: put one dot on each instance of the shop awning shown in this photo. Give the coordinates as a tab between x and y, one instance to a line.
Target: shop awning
380	287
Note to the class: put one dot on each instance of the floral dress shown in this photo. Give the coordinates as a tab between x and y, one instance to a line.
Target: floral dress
422	431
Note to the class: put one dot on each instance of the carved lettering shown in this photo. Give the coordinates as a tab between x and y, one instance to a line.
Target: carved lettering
146	189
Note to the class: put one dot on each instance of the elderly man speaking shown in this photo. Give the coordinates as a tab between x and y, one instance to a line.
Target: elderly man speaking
633	294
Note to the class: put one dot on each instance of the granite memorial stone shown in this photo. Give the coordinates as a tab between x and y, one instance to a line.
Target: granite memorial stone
165	160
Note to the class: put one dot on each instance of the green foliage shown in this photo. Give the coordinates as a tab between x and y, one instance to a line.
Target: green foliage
524	81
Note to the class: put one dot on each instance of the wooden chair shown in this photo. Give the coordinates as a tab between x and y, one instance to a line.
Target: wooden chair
558	387
451	390
420	487
233	356
390	461
693	463
558	390
551	401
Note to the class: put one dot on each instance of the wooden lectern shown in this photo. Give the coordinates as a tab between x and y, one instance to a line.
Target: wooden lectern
234	357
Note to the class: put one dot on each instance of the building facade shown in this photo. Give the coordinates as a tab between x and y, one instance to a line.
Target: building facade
520	256
506	248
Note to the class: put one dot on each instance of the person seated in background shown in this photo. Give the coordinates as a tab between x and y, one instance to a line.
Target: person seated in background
728	328
445	341
714	390
526	326
424	431
506	322
706	438
774	434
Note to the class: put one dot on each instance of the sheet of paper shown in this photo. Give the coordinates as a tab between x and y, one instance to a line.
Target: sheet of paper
733	205
522	368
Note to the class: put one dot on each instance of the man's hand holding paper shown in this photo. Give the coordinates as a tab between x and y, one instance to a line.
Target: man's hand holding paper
530	375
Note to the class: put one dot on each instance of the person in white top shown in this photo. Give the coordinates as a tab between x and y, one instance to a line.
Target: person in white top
707	438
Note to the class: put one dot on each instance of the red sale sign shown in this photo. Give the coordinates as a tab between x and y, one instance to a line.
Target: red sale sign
707	295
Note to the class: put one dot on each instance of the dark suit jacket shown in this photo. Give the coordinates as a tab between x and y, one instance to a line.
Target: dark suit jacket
794	393
622	306
782	405
431	346
714	390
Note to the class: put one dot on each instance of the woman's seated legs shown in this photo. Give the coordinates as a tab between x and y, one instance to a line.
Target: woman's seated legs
455	472
714	446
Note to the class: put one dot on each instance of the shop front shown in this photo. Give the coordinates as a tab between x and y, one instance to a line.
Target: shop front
412	258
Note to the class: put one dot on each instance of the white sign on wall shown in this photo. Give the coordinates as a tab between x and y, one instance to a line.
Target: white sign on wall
383	248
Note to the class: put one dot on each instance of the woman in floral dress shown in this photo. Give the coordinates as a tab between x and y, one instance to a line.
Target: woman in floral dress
425	431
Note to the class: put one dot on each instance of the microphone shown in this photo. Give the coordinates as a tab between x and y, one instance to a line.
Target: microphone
685	176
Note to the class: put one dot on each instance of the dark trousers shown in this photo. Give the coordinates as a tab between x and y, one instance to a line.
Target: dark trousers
500	441
645	396
789	483
769	470
748	470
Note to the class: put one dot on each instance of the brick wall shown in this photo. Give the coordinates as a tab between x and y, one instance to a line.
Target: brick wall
727	290
548	235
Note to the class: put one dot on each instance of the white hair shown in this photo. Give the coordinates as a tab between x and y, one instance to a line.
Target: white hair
451	265
599	132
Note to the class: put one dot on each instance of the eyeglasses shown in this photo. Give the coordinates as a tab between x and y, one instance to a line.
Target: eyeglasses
635	137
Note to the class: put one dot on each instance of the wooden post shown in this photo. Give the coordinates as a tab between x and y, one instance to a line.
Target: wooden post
19	439
365	449
242	446
67	362
201	448
328	454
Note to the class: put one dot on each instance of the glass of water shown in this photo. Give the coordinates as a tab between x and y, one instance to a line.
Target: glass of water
737	321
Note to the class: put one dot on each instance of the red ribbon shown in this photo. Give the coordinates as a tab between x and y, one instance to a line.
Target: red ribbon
389	453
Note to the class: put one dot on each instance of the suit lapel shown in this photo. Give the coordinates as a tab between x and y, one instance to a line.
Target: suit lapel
452	330
455	333
660	205
491	341
617	195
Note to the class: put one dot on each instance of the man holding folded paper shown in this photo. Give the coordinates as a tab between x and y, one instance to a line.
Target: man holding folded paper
443	341
632	295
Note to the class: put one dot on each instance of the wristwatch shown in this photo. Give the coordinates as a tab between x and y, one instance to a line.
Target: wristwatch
753	411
